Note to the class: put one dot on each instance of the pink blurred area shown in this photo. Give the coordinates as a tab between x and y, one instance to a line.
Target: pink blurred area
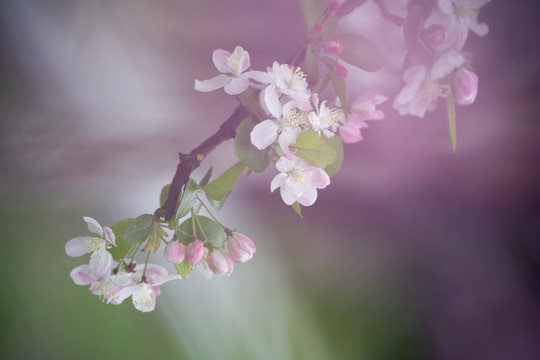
98	98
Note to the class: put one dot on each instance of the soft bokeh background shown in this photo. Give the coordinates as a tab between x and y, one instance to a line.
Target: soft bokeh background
413	252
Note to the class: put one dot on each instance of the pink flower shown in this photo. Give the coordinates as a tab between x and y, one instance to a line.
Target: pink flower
194	252
174	252
334	7
465	87
298	180
323	118
235	63
341	70
333	46
220	262
240	247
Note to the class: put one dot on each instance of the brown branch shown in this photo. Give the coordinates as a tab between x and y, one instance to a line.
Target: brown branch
191	161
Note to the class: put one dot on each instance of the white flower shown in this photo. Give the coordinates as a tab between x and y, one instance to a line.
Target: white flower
285	126
235	64
423	88
298	180
324	118
291	82
100	259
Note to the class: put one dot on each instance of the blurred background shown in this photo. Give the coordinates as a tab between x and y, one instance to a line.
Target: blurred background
413	252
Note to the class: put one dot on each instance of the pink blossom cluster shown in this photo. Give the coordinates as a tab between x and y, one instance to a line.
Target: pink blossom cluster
112	281
209	260
291	108
439	67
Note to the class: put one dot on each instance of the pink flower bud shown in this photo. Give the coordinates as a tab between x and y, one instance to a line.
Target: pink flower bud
240	247
174	252
465	87
319	27
435	35
341	70
333	46
109	235
220	262
194	252
334	7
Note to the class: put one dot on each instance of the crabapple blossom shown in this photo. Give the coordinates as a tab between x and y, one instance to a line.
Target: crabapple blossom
324	118
100	259
424	87
298	180
464	86
290	81
236	64
241	248
174	252
220	262
194	252
363	108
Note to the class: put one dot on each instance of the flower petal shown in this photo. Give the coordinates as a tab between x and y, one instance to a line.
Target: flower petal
212	84
219	57
93	225
264	134
81	275
278	181
78	246
237	85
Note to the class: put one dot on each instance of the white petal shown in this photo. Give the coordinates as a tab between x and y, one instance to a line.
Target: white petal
101	264
212	84
287	137
288	195
219	57
285	163
264	134
308	197
81	275
446	63
237	85
278	181
93	225
78	246
240	52
271	99
479	29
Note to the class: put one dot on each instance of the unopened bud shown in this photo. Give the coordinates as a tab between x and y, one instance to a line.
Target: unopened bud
435	35
319	27
174	252
241	248
220	262
341	70
333	8
464	87
194	252
333	46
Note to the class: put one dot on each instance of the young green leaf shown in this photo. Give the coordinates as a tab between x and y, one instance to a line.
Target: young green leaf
122	247
206	177
450	107
360	52
337	145
297	209
206	230
247	153
311	68
183	269
218	204
139	229
312	10
221	186
314	149
189	196
250	102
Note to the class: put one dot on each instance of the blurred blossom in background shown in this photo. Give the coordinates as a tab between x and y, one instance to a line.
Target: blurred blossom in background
413	252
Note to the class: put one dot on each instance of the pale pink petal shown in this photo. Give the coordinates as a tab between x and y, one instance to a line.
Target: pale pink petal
447	63
288	196
145	298
319	179
212	84
259	76
237	85
101	263
124	293
109	235
264	134
271	98
93	225
278	181
219	57
287	137
244	55
286	164
81	275
78	246
308	197
349	134
479	29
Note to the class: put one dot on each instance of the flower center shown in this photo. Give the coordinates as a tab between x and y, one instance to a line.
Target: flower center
94	244
235	63
466	9
298	79
296	118
297	178
432	90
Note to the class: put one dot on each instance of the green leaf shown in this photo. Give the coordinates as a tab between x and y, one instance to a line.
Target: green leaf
251	103
360	52
296	207
183	269
164	194
206	229
206	177
189	196
218	204
221	186
339	85
122	247
337	145
312	10
247	153
450	107
139	229
314	149
311	67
